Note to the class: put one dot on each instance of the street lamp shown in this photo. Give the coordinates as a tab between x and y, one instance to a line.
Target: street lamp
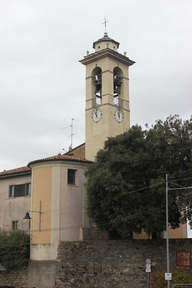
27	216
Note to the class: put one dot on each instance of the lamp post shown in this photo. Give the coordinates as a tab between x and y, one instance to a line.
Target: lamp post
27	216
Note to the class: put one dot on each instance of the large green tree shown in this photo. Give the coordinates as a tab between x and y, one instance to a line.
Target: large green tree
126	183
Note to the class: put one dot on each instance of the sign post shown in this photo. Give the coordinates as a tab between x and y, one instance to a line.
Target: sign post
148	269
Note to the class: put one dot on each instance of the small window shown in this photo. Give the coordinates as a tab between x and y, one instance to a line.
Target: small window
71	177
15	225
29	224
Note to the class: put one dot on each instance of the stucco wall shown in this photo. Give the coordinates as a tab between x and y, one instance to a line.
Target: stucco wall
62	207
42	180
13	209
72	197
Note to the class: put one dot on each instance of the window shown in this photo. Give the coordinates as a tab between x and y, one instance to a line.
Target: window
28	189
15	225
71	177
20	190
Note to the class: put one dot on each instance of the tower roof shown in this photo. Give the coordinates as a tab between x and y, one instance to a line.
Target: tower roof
106	38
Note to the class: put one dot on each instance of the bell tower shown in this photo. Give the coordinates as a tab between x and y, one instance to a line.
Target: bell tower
107	110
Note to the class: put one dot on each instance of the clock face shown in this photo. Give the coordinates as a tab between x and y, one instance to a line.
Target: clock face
119	116
96	115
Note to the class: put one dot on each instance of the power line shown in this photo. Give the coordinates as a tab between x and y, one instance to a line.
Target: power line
131	192
131	217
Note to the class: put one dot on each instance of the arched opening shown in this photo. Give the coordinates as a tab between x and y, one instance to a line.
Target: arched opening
97	81
117	83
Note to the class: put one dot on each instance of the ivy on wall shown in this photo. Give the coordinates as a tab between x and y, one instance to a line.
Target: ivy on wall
178	276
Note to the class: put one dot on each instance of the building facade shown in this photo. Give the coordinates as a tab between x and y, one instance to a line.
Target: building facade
15	199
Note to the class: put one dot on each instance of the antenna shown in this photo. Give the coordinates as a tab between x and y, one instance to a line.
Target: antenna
72	119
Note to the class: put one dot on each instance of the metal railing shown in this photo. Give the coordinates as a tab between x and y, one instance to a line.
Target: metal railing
176	285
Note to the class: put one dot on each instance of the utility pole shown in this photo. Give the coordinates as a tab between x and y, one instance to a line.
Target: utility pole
167	226
167	229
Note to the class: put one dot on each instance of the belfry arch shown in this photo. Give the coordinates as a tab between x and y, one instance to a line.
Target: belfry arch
117	85
97	86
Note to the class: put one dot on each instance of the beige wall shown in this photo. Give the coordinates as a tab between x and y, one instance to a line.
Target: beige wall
13	209
72	213
177	233
42	180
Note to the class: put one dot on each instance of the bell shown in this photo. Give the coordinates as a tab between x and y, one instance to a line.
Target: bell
27	216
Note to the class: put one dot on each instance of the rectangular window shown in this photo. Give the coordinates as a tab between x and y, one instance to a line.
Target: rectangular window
71	177
20	190
15	225
28	189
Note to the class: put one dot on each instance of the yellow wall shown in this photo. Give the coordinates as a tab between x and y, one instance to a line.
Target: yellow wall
142	235
97	134
42	181
177	233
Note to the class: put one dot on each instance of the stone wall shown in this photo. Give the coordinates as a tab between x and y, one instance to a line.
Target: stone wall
16	278
112	264
101	264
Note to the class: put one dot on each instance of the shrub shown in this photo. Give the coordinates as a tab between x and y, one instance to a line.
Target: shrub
178	276
14	249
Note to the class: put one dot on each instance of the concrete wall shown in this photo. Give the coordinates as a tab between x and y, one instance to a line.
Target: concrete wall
13	209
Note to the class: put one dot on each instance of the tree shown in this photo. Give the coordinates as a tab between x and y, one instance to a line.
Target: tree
14	249
117	198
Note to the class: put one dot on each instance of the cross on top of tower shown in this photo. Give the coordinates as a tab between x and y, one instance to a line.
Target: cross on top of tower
105	22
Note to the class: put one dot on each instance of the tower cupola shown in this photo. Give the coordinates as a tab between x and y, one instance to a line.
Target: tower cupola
105	42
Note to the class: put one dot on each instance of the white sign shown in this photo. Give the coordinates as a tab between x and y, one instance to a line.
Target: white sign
168	276
148	268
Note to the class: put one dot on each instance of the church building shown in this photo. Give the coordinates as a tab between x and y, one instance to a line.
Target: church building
52	190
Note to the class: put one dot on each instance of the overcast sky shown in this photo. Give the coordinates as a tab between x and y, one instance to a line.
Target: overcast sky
42	83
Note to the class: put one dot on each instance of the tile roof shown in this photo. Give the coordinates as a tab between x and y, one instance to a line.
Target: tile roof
27	170
15	172
60	157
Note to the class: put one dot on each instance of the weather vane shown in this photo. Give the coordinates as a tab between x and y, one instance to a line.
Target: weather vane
105	22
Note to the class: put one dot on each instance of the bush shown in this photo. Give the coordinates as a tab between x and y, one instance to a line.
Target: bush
178	276
14	249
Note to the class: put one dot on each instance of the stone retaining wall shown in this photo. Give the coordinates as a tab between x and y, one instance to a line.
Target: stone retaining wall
103	264
16	278
114	264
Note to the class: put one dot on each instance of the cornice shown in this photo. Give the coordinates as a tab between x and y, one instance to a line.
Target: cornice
107	53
